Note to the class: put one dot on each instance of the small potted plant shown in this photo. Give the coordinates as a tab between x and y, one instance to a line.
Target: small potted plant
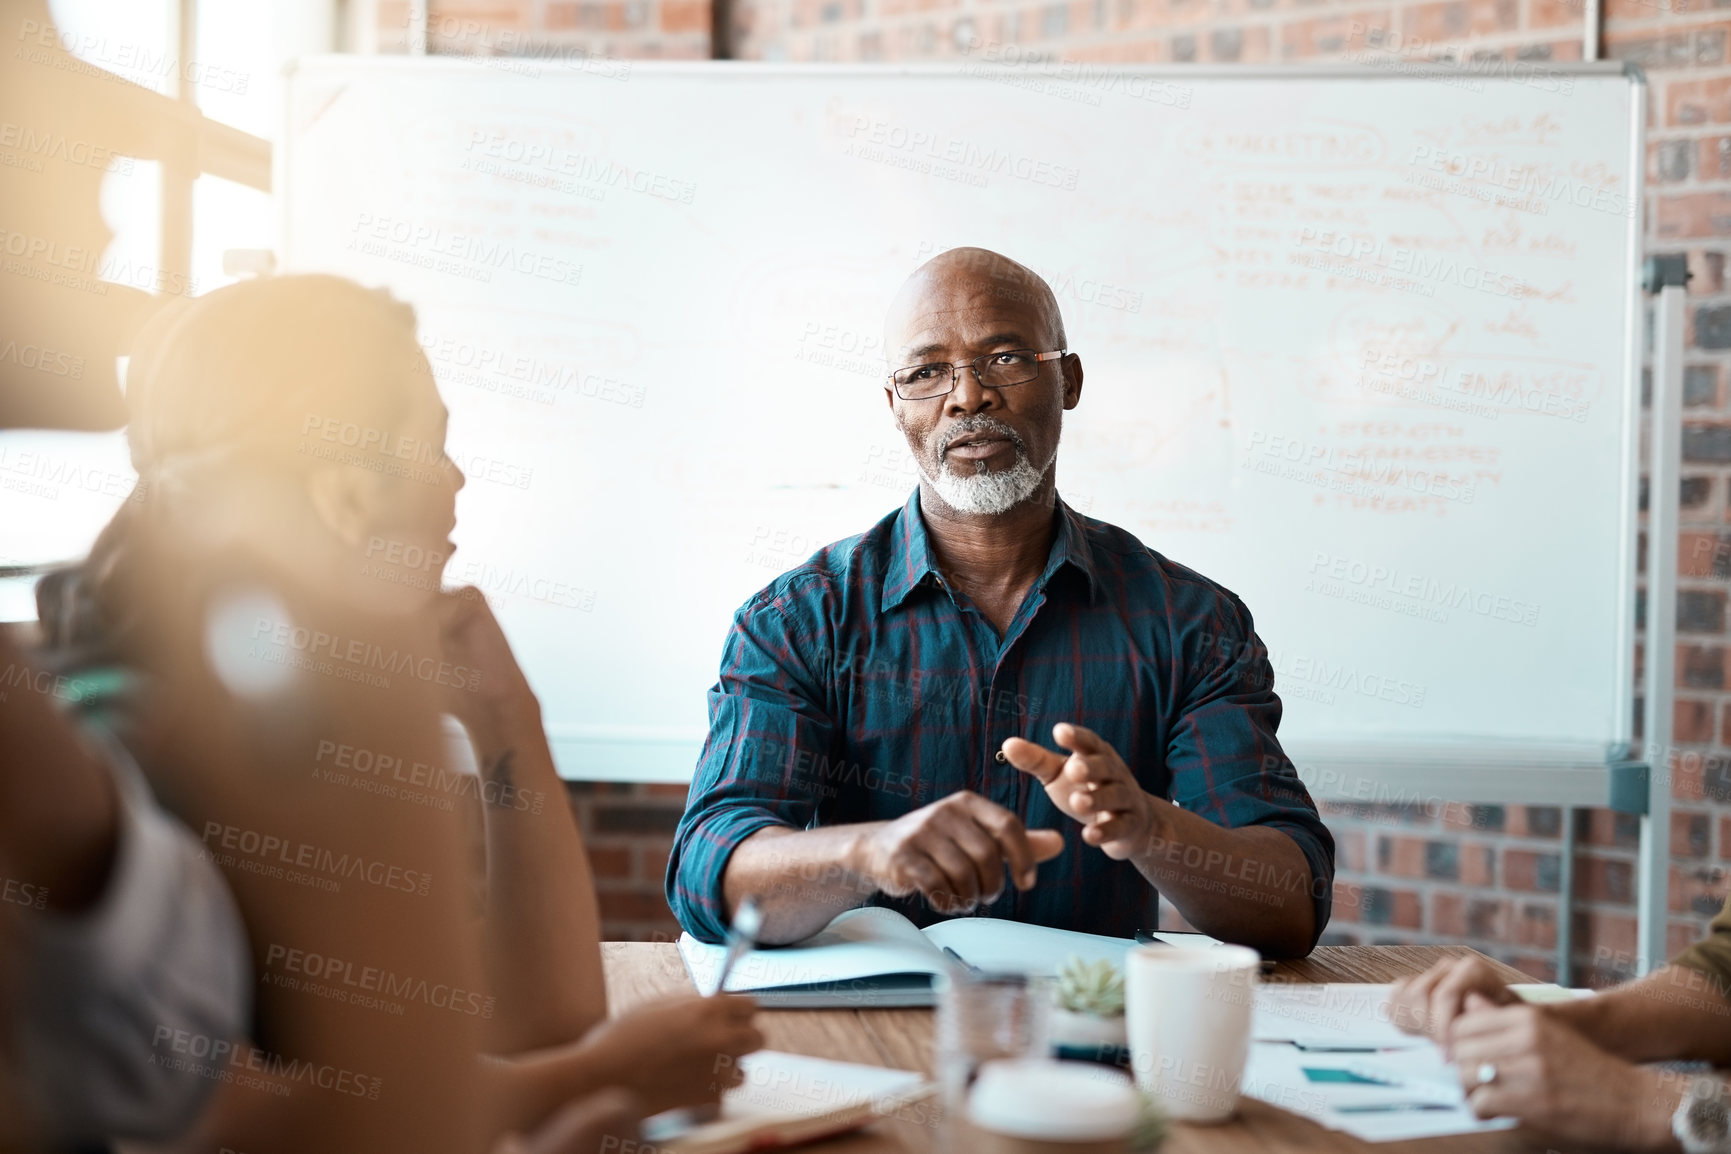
1088	1017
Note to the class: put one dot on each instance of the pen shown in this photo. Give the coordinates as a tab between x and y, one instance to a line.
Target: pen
741	937
963	962
1148	938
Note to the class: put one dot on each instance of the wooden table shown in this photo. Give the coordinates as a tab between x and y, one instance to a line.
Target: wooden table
637	971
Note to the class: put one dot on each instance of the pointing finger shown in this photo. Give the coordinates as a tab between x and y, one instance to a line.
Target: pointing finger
1046	843
1041	764
1013	840
1078	738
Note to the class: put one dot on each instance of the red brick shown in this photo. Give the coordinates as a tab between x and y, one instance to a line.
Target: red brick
1554	13
634	906
1698	101
652	855
1539	821
1349	849
1695	214
1399	909
1448	915
1535	927
1444	21
1607	828
1692	721
1122	51
1401	857
1530	872
1459	815
1347	898
1699	553
1488	919
1456	815
1687	771
1488	16
1478	865
1713	158
1691	834
635	818
1701	667
610	861
1605	880
1609	939
1330	35
495	14
1258	46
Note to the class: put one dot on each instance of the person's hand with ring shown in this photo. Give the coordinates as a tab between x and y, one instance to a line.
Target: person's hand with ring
1519	1062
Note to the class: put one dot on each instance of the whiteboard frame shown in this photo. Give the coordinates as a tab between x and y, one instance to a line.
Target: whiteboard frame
1469	770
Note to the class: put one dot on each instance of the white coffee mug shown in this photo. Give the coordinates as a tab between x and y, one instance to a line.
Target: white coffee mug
1188	1016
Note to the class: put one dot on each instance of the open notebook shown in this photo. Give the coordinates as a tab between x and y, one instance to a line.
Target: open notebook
788	1100
875	957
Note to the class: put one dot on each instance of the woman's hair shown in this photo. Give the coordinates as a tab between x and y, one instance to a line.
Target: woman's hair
235	388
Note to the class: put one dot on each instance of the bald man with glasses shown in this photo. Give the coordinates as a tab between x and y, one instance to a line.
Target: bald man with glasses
882	728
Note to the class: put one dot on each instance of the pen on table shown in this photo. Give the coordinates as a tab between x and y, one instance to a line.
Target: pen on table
963	962
1149	938
741	937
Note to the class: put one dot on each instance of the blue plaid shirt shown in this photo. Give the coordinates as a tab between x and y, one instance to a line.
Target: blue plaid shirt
860	686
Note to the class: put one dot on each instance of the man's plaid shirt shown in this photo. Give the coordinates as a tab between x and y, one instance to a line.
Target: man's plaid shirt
860	686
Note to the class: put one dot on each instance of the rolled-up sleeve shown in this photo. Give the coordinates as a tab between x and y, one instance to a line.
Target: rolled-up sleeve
768	717
1226	762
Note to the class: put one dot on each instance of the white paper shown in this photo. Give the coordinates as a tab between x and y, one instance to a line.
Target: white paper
778	1084
1335	1013
872	940
1353	1018
860	943
1016	947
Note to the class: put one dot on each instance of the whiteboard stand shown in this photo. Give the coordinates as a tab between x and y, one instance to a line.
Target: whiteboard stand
1666	277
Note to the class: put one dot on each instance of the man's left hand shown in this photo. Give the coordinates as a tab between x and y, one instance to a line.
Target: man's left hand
1094	786
1554	1080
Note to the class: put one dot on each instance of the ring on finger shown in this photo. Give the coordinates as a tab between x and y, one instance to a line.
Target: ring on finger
1486	1073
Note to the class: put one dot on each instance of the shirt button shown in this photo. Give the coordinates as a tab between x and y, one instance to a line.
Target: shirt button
999	757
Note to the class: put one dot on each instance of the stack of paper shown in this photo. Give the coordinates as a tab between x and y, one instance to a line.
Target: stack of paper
1331	1053
790	1099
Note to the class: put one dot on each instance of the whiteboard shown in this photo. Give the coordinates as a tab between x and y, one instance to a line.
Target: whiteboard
1361	346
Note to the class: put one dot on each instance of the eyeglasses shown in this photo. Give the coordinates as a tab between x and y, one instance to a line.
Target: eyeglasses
992	370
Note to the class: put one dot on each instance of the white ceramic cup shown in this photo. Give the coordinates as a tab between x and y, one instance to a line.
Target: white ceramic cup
1188	1014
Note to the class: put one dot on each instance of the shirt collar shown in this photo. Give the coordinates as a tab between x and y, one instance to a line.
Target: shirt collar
911	560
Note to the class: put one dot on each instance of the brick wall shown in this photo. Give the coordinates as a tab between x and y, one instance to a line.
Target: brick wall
1486	875
629	832
548	29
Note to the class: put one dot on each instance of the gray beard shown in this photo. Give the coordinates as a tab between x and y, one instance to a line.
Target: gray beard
986	493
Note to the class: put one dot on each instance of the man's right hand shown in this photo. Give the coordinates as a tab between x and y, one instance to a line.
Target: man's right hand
1429	1003
953	852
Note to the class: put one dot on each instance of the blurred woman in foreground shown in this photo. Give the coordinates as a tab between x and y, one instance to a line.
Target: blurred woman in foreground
266	624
